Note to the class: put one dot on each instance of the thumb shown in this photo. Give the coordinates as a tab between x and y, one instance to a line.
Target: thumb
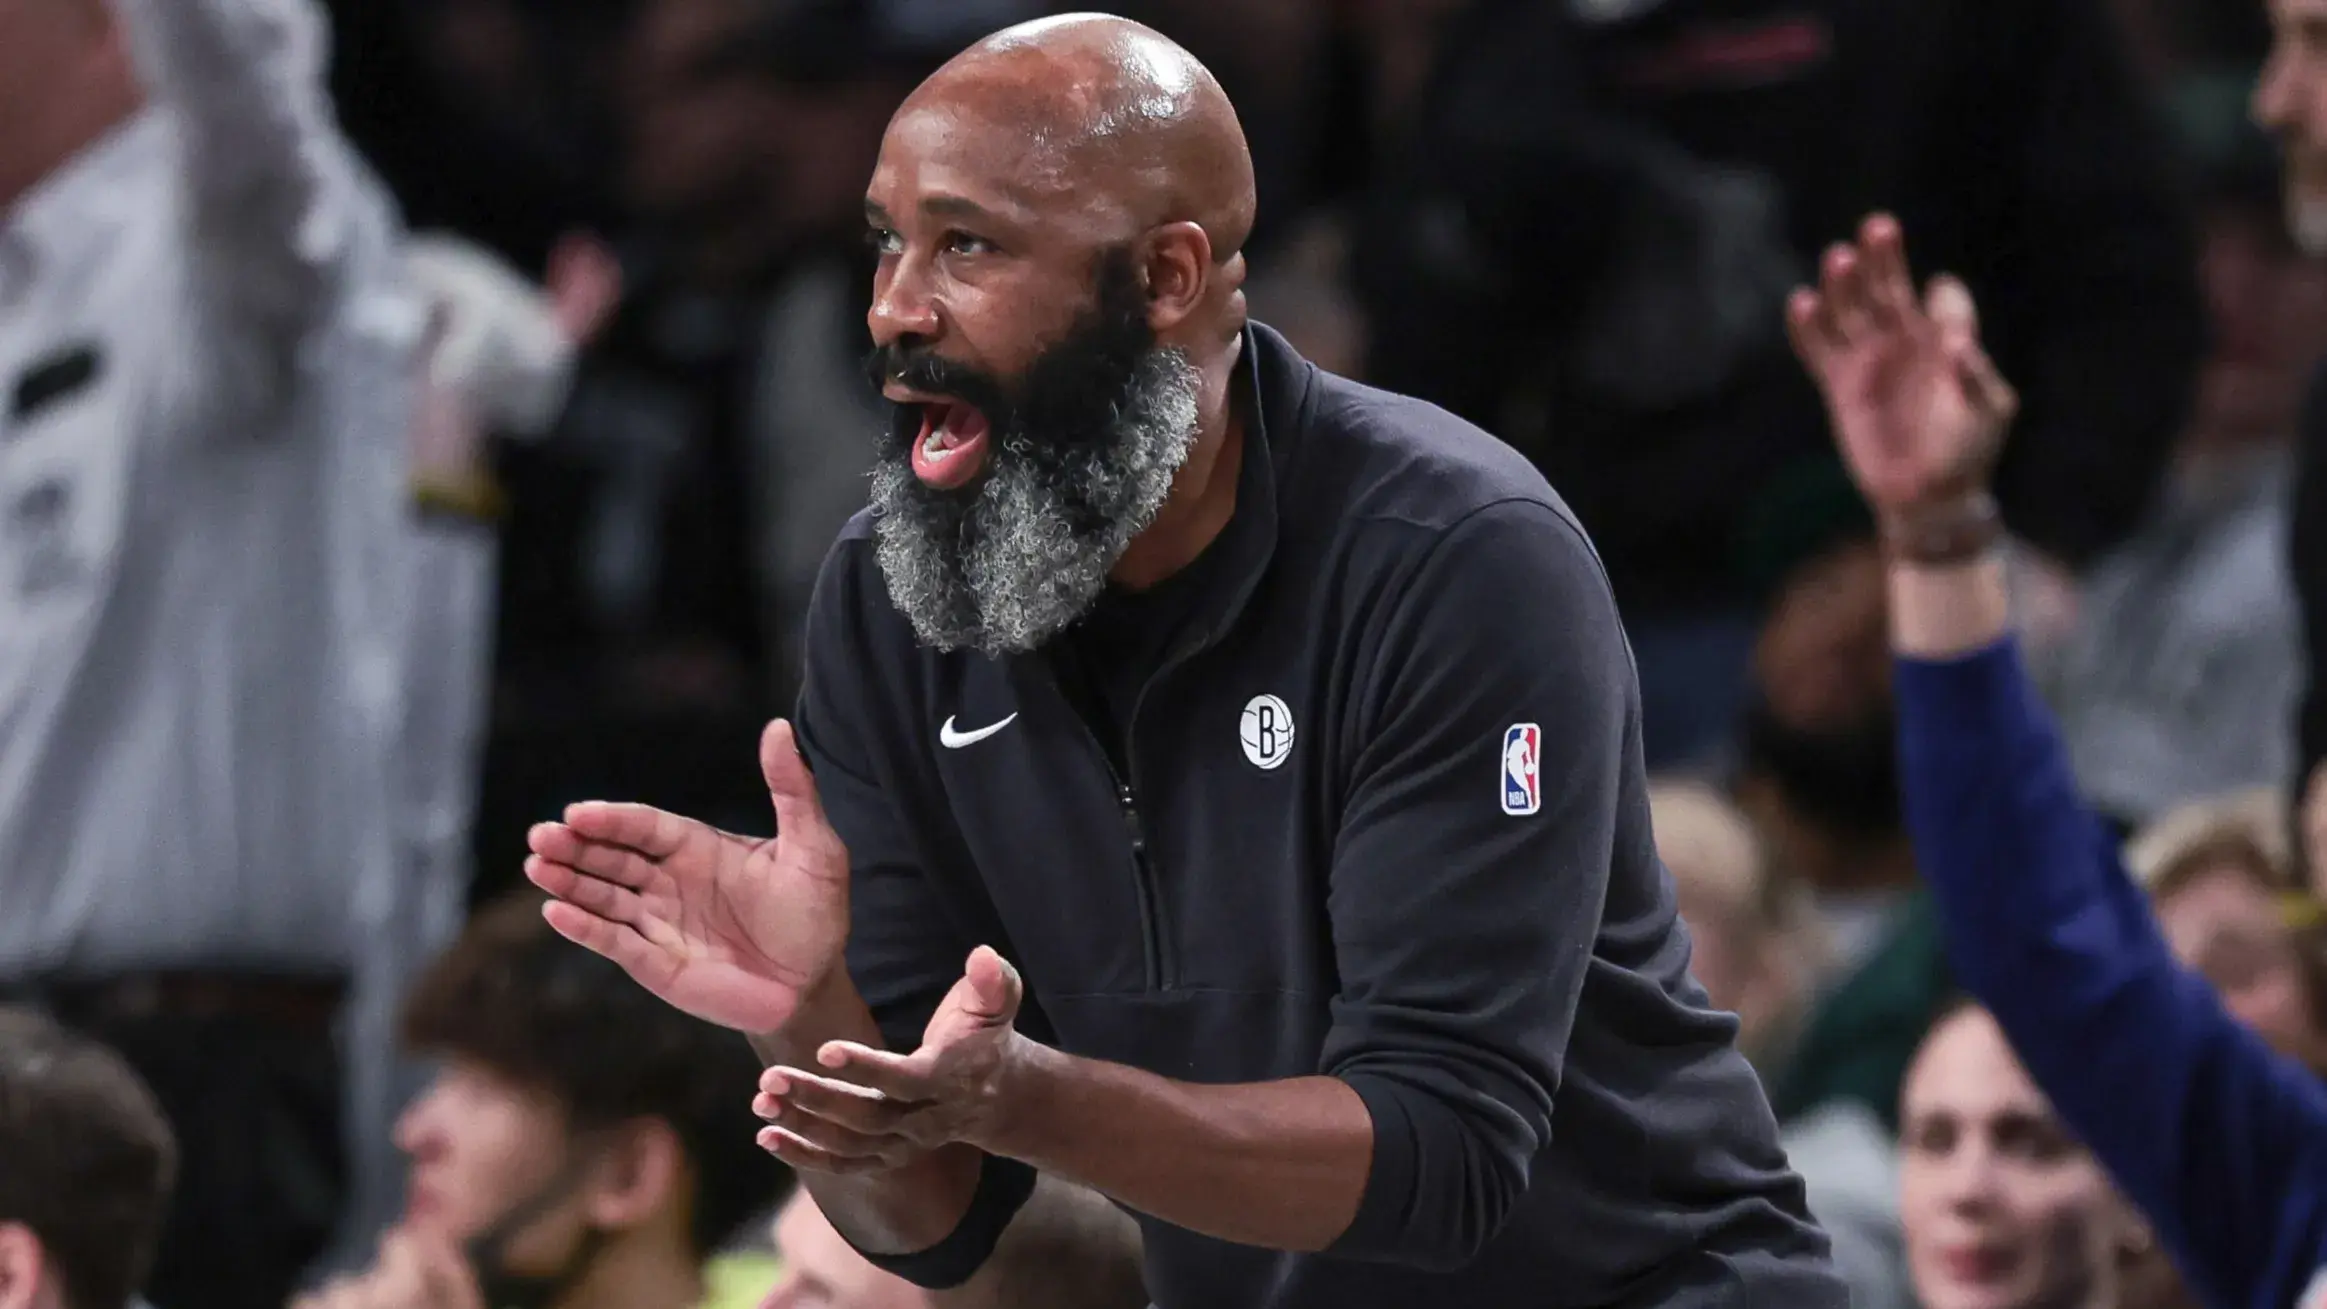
994	985
790	785
1950	305
1989	393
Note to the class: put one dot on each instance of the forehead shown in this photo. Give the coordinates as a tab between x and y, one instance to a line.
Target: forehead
1967	1070
1024	173
2215	893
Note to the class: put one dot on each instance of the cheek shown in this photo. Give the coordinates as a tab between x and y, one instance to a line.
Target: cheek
490	1163
2066	1212
2274	1007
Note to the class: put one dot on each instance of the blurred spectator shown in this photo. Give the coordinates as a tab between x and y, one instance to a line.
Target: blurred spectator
206	356
1598	208
2228	905
1820	780
499	358
1752	943
664	544
1069	1248
1754	952
2185	668
2003	1208
87	1171
579	1146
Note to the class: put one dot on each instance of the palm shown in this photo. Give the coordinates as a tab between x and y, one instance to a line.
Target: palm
1899	411
1914	401
741	929
727	928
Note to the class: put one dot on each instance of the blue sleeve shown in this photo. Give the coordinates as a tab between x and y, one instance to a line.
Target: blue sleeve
2219	1141
1463	916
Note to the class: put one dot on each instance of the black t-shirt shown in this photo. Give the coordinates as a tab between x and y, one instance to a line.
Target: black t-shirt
1104	661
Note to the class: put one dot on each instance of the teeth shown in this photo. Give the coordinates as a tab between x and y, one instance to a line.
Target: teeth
934	448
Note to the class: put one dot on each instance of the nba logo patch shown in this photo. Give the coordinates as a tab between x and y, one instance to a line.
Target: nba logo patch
1522	769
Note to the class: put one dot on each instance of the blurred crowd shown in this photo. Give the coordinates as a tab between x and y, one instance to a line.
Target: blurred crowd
535	332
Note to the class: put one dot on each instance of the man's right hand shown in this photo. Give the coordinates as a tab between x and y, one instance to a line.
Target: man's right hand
735	931
1917	407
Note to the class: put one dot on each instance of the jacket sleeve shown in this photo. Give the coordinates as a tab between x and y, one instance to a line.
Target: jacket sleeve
2093	295
272	201
904	951
2219	1141
1463	920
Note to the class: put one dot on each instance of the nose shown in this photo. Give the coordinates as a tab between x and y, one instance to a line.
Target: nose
2277	91
1970	1179
903	306
416	1132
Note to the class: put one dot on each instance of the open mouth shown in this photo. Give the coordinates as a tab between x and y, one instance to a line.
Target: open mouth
951	449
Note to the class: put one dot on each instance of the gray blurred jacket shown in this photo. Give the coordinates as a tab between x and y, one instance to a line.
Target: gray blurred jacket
2182	678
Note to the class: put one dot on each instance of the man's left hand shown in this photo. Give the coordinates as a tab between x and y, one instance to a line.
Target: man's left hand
869	1110
415	1271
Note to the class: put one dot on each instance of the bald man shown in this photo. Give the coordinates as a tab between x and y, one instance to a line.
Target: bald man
1266	745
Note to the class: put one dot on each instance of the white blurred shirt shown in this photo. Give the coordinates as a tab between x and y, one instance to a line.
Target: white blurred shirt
202	551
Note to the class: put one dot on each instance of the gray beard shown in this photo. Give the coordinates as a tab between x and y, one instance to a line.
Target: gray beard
1022	570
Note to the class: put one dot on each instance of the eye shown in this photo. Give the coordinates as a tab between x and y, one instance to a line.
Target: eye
884	241
963	243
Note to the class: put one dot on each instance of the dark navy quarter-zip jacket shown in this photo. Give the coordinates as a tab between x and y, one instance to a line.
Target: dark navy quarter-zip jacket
1377	811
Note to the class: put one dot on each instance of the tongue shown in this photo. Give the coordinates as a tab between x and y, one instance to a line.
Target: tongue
959	425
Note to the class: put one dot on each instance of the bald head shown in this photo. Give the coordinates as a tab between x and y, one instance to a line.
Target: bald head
1057	312
1111	111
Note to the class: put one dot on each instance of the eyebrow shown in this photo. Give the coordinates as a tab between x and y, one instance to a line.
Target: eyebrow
939	206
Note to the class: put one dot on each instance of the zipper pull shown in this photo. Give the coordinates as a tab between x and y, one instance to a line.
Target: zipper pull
1131	817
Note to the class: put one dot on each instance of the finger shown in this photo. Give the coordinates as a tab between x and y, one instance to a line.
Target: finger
1989	393
600	897
637	956
1842	284
616	863
1890	287
650	831
906	1078
859	1108
790	785
1812	333
446	1279
1952	309
805	1156
834	1138
994	985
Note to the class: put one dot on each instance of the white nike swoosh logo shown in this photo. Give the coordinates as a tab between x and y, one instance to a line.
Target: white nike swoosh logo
953	740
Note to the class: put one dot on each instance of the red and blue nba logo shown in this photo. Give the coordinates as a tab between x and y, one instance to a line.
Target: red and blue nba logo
1522	769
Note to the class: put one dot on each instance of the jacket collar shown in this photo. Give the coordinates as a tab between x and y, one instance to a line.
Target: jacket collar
1273	394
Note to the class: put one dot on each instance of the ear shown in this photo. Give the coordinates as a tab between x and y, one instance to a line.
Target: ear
22	1269
1179	271
641	1175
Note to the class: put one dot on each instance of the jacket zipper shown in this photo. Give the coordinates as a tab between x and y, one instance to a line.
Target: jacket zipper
1143	881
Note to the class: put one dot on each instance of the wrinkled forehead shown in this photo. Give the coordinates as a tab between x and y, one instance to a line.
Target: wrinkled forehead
1025	167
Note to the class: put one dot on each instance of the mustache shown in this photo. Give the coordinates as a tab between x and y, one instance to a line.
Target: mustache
926	371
